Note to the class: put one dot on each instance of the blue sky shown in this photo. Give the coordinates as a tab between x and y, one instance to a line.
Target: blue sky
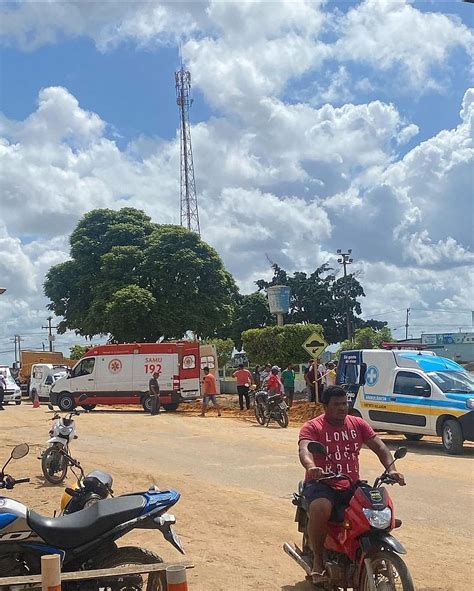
316	125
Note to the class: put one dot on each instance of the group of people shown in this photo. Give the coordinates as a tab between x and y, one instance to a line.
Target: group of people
318	377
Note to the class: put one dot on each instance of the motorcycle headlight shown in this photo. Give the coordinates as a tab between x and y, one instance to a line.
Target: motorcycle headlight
65	431
380	519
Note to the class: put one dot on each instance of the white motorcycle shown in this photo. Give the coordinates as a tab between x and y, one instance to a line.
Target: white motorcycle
54	460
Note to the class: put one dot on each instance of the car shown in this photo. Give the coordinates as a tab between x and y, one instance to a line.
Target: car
13	392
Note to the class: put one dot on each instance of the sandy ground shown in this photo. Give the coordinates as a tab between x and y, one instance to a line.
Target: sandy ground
236	479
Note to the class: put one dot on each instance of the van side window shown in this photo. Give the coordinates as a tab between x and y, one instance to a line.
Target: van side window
48	381
411	384
84	368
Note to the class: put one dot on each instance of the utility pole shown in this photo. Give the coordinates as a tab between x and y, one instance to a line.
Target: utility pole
189	216
406	324
17	340
49	328
344	260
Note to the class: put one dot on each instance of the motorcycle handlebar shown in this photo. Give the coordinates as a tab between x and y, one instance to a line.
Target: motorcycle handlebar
9	482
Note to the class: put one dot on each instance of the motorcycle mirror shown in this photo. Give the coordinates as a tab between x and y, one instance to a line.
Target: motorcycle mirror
400	453
317	448
20	451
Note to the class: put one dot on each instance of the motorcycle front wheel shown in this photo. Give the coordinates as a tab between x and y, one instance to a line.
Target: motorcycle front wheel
54	465
282	418
130	555
390	573
259	410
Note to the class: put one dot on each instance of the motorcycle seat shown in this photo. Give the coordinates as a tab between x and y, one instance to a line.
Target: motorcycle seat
77	529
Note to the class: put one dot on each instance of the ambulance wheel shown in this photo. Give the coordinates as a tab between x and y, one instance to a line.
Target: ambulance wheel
452	437
66	402
171	407
413	436
147	404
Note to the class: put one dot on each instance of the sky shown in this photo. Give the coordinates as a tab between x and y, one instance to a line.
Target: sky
315	126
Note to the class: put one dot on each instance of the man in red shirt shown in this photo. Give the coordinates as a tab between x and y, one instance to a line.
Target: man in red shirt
343	436
244	381
209	390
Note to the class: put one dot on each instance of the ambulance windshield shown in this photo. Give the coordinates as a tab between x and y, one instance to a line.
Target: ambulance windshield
453	381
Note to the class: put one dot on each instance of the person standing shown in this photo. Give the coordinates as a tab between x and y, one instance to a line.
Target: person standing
288	379
3	387
256	377
265	374
244	381
154	391
209	389
330	375
310	379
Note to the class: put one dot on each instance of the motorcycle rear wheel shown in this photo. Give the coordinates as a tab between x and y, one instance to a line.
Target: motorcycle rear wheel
390	573
54	465
129	555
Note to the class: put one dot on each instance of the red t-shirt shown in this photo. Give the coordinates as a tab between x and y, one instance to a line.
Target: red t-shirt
209	385
274	384
244	377
342	443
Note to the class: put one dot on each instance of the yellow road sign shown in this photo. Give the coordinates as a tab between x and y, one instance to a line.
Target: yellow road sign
315	344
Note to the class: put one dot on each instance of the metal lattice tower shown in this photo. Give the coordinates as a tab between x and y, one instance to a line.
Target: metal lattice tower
189	206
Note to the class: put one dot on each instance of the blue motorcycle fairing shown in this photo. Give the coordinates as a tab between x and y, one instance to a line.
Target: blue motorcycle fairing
6	519
164	499
44	549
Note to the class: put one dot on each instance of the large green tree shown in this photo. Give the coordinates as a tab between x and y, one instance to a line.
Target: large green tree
367	338
137	280
250	311
320	298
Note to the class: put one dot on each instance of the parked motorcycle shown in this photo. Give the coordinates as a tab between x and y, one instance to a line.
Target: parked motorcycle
54	462
85	540
90	489
360	552
270	407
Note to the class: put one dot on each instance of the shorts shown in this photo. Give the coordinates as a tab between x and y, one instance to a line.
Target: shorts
289	390
209	398
318	490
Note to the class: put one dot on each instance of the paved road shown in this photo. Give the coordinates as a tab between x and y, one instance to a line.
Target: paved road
237	478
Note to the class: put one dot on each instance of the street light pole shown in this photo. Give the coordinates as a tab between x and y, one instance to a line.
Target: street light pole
49	328
3	290
346	259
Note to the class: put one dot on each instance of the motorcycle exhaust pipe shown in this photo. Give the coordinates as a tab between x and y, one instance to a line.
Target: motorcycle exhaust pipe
293	553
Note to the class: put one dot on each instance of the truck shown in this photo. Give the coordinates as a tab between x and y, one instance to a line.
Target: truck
28	358
116	374
411	392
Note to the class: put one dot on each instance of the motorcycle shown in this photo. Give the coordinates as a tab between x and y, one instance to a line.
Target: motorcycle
359	551
270	407
90	488
85	540
54	462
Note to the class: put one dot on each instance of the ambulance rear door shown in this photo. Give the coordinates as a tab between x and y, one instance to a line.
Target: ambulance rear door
189	370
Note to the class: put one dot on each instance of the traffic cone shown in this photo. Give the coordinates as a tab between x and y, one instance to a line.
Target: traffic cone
36	401
176	578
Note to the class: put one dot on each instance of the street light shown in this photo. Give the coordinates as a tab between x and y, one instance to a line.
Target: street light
345	259
3	290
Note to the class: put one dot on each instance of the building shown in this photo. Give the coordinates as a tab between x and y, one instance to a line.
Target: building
458	346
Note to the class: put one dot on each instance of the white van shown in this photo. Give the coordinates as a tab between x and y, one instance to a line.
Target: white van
43	376
13	392
411	392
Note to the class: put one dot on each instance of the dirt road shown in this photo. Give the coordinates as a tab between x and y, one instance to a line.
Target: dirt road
236	479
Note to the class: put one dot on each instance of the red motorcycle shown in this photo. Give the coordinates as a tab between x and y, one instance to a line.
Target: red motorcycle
360	553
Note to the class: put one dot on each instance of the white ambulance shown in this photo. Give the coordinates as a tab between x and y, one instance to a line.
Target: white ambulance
411	392
43	376
120	374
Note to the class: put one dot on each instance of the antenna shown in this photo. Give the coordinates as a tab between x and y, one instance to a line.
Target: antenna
189	208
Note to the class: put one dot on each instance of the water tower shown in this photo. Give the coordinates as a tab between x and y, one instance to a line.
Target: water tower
279	301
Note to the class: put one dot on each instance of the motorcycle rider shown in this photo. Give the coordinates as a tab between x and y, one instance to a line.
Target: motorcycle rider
343	436
274	383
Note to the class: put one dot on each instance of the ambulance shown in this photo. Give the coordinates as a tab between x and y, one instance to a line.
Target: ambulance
43	376
412	392
120	374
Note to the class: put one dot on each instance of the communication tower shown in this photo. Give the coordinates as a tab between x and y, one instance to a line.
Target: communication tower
189	206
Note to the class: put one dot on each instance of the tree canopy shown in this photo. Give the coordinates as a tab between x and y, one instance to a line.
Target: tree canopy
367	338
250	311
139	281
320	298
278	345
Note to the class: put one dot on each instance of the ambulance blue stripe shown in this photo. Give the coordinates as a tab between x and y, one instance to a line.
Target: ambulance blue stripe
415	400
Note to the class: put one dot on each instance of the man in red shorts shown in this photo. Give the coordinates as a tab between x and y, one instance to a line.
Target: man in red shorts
343	436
